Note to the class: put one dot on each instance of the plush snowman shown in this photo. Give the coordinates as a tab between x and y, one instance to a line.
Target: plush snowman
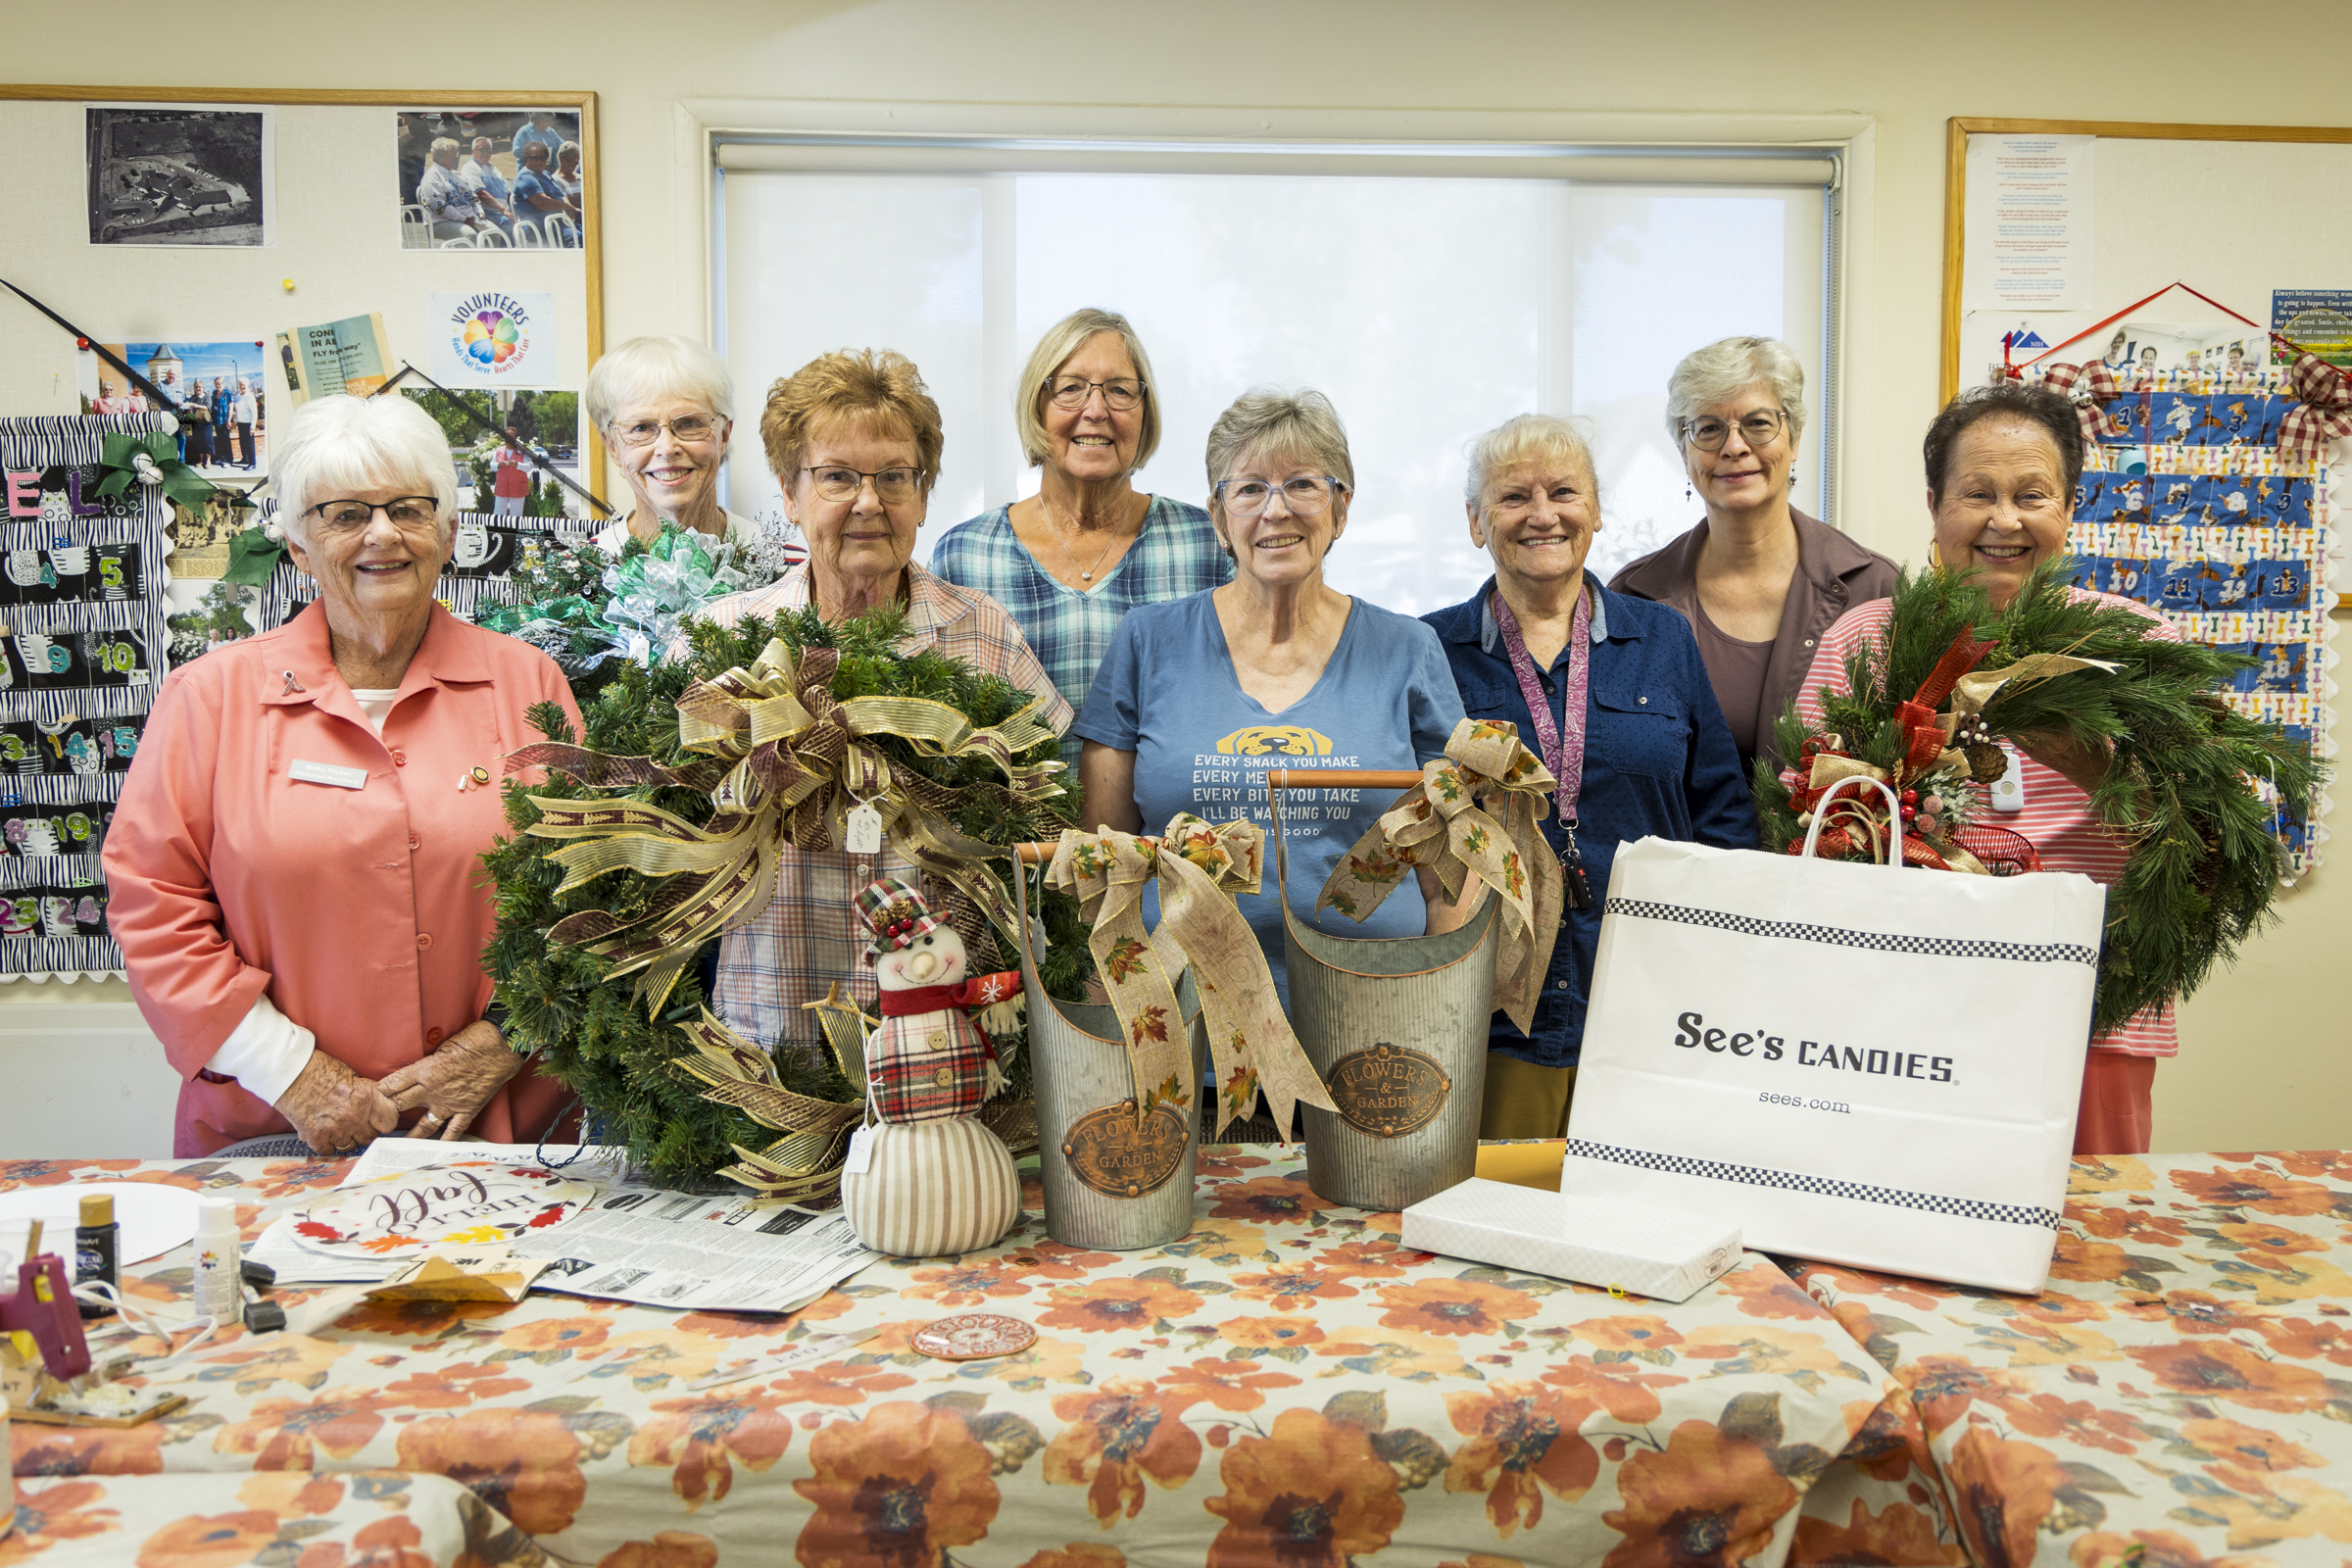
924	1177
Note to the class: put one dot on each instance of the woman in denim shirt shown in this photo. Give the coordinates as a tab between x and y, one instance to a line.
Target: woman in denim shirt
1645	752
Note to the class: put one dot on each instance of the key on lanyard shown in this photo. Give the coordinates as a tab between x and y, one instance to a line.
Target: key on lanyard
1576	888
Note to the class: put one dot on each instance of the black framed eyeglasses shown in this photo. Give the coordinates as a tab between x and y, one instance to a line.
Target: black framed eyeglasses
1758	429
350	517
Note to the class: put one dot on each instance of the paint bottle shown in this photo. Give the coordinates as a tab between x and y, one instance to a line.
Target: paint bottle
97	1243
217	1260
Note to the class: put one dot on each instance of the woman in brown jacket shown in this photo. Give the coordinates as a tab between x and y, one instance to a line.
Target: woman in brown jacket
1758	580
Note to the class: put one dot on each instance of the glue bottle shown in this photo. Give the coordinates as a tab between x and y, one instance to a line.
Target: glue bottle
96	1244
217	1260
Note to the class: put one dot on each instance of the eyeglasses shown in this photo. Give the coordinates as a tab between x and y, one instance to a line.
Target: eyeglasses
1119	395
407	513
1758	429
1307	496
892	486
686	427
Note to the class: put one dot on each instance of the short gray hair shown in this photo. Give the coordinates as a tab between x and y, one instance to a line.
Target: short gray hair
1063	339
334	445
1722	370
443	144
1265	420
1528	439
647	367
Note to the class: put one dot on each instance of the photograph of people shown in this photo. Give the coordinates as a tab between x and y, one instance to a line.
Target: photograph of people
667	408
310	955
1070	562
451	208
1643	752
488	183
539	199
1758	580
2002	467
854	439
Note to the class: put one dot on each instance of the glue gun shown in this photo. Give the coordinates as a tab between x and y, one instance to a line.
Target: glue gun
43	1306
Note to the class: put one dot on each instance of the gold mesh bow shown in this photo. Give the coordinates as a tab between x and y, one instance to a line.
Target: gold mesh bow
783	762
1439	823
1199	866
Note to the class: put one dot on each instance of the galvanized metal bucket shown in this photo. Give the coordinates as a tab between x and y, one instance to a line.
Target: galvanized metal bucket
1397	1028
1110	1183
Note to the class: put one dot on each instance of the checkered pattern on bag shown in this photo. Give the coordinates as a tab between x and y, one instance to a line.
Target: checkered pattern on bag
1873	941
1789	1181
914	1080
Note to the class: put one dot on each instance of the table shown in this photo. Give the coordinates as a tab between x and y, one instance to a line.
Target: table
274	1518
1287	1385
2181	1394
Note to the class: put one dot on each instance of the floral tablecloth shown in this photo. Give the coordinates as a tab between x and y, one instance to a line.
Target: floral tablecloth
1285	1387
272	1519
2180	1395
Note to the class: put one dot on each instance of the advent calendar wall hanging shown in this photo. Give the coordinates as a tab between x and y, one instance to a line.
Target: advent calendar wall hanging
479	576
82	573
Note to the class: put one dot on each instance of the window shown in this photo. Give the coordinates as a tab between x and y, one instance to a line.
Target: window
1429	308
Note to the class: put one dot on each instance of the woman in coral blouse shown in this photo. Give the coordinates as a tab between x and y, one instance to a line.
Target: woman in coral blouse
293	865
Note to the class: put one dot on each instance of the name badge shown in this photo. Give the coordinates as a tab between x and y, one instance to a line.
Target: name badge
342	778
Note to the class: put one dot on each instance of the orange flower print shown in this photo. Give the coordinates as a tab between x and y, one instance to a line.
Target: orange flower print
2078	1421
1625	1393
2080	1260
1310	1494
839	1383
291	1434
525	1463
291	1494
51	1172
1943	1386
2195	1312
2326	1162
2056	1306
2266	1236
1708	1498
1268	1201
551	1338
669	1548
2005	1489
962	1285
1053	1260
1227	1385
1117	1438
285	1178
2247	1447
1763	1290
897	1489
2222	1370
1079	1554
2109	1173
1270	1333
208	1541
2255	1189
2305	1340
1898	1533
1454	1306
1741	1349
1628	1333
452	1387
702	1438
1300	1285
1371	1261
88	1450
54	1514
1523	1443
2150	1548
1101	1307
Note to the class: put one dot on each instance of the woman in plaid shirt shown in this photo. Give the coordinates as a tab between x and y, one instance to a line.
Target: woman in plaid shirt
1072	559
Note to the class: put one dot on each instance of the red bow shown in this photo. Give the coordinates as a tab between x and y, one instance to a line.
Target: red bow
2325	412
2099	387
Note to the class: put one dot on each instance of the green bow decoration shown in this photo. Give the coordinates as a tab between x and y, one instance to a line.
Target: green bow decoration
253	557
131	460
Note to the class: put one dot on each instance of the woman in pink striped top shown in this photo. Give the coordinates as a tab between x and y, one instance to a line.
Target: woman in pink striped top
2002	462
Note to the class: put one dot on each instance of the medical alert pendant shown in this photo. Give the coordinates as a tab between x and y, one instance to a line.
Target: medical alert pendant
865	836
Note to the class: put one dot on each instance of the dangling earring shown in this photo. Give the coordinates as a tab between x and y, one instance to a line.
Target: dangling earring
1689	494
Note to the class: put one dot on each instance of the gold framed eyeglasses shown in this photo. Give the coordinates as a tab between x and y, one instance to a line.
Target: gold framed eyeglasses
892	486
1760	428
1120	394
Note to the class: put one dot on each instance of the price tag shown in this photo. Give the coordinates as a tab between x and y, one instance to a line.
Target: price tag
861	1153
866	829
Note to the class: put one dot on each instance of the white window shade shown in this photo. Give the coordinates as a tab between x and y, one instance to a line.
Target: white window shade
1429	308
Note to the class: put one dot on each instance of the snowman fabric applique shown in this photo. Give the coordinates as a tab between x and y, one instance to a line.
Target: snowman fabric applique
928	1177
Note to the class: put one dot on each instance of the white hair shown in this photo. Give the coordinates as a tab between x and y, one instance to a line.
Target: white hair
647	367
1528	439
334	446
1728	366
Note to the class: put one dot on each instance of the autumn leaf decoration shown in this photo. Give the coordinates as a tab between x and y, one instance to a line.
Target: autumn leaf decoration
1125	958
1172	1092
1150	1024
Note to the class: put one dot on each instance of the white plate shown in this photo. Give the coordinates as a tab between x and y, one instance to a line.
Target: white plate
154	1219
470	1202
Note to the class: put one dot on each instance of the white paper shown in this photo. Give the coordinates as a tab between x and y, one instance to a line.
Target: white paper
493	337
2028	238
389	1157
716	1253
154	1218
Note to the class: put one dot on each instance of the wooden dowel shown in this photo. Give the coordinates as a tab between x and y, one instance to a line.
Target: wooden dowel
1341	778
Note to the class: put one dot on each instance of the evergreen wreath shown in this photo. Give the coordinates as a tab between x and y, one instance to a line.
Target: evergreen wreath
590	1032
2183	792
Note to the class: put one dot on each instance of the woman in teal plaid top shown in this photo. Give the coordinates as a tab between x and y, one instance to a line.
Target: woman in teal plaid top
1070	562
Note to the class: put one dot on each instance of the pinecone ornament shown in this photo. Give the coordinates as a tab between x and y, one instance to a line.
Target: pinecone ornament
1986	763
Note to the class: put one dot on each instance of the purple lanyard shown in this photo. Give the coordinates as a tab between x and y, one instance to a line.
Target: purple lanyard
1563	754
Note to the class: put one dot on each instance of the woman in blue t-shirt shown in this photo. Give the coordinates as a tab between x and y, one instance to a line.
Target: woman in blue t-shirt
1197	697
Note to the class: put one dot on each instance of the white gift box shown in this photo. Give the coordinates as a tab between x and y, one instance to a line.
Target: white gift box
1648	1251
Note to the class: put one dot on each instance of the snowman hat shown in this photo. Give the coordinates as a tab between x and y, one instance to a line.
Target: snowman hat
895	911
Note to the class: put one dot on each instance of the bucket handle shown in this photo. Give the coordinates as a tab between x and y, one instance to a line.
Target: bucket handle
1894	817
1279	779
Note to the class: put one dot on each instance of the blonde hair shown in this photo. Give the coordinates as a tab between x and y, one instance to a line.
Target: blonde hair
1528	439
873	384
1063	339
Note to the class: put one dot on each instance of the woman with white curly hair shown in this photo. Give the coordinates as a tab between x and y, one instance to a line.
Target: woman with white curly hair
293	865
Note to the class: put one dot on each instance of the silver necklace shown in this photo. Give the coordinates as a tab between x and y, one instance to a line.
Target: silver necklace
1063	535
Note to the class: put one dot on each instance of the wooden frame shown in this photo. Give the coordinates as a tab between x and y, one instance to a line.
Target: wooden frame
582	103
1956	188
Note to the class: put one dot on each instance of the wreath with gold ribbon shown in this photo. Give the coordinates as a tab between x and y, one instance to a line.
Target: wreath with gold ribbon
661	826
2195	790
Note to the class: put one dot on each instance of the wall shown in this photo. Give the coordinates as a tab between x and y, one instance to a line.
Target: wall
2260	1065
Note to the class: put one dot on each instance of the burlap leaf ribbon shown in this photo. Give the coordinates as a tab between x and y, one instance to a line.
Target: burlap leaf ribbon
783	762
1439	823
1199	867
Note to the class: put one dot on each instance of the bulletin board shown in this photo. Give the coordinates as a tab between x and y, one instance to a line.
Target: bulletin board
2215	449
336	246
